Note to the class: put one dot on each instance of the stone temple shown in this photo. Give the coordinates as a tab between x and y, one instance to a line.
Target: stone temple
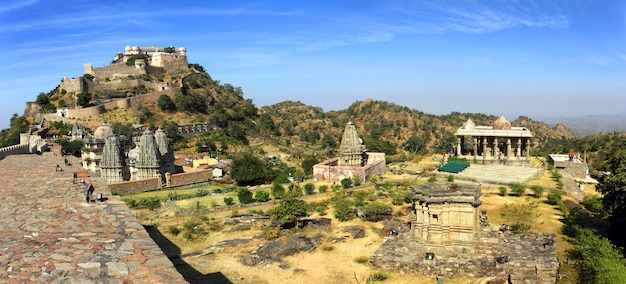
449	237
353	160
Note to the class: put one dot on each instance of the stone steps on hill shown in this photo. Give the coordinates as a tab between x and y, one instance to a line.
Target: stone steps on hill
499	174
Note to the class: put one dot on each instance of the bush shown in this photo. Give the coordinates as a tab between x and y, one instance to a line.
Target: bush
361	259
378	276
262	196
375	212
173	230
202	192
322	188
593	203
309	188
450	178
399	198
346	183
244	195
554	197
343	209
432	179
228	200
503	190
517	189
357	181
537	190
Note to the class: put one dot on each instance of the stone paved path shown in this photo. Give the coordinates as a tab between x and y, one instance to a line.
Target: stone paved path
50	234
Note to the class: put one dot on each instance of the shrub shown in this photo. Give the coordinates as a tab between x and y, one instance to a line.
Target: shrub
503	190
554	197
343	209
244	195
322	188
202	192
262	196
517	189
559	184
432	179
450	178
593	203
346	183
228	200
378	276
537	190
173	230
399	198
361	259
357	181
375	212
309	188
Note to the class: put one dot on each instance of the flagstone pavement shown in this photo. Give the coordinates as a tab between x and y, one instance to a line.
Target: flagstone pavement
49	233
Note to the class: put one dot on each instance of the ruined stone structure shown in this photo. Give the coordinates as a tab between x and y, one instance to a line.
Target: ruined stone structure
353	160
446	239
500	142
446	215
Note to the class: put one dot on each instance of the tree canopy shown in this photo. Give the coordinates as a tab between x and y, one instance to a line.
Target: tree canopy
248	169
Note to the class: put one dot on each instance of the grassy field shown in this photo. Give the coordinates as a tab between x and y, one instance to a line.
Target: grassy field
341	262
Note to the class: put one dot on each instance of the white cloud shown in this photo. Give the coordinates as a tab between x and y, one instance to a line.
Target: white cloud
8	7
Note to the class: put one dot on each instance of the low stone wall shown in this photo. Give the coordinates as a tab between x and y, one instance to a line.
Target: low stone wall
331	172
144	185
134	186
522	258
190	178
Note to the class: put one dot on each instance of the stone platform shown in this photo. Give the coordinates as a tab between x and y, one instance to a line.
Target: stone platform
50	234
496	174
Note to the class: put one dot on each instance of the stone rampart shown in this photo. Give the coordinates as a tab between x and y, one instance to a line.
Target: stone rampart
14	150
117	70
120	103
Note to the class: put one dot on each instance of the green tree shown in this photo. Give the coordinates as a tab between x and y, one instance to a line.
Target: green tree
262	196
613	187
328	142
537	190
290	210
517	189
42	99
344	209
244	195
346	182
82	99
248	169
309	188
166	103
414	144
307	164
228	200
278	191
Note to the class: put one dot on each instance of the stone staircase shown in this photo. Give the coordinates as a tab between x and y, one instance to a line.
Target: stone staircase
498	174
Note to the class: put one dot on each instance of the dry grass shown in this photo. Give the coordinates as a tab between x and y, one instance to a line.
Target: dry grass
341	262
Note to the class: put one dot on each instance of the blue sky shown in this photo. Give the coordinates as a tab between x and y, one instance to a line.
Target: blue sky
512	58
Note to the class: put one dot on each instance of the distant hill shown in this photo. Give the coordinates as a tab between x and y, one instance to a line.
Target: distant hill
587	125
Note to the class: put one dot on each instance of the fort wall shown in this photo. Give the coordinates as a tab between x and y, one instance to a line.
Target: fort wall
14	150
120	103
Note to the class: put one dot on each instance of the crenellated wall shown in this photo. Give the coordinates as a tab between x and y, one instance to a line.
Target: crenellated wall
14	150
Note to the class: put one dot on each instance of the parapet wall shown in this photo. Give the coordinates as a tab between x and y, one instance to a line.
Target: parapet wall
150	184
117	70
14	150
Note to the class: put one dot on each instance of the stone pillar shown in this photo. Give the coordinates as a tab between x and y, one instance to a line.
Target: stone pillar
458	146
519	147
494	150
475	144
484	147
508	147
